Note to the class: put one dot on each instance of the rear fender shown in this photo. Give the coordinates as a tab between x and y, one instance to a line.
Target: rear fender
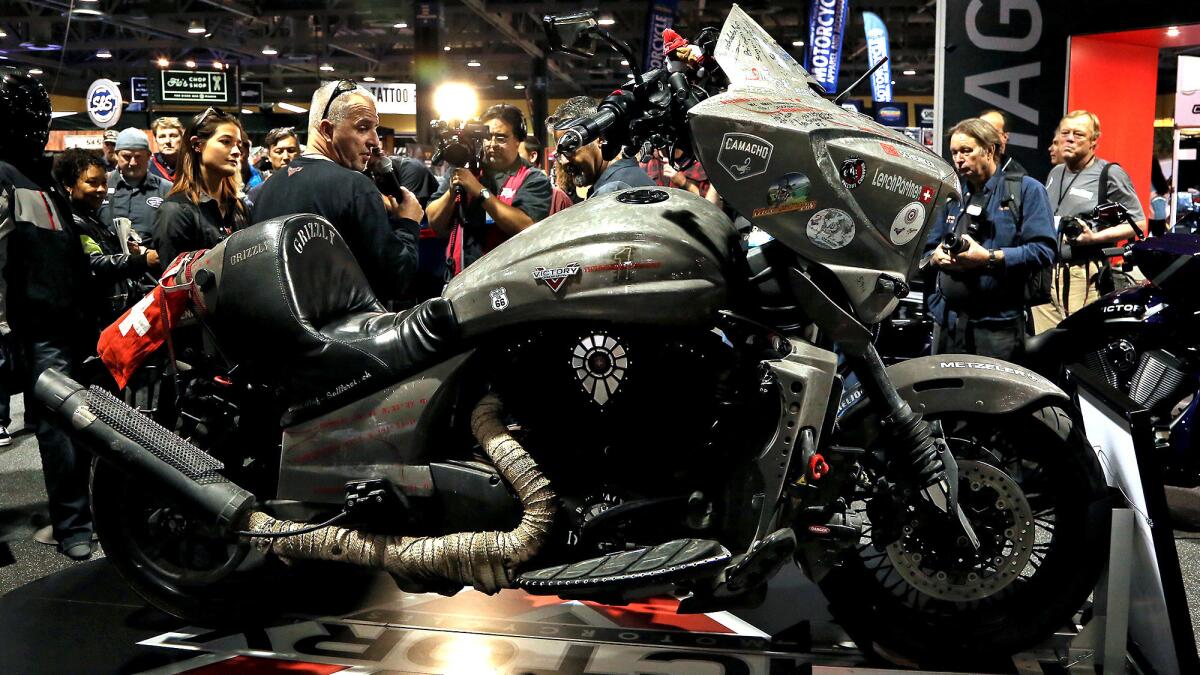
950	383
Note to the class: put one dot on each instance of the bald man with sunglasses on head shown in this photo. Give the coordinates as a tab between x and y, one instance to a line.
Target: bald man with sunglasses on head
328	180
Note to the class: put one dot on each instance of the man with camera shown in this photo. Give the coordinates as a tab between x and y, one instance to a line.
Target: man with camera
479	212
1077	187
986	249
381	230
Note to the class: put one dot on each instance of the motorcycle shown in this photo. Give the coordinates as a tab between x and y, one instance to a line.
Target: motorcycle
619	402
1141	341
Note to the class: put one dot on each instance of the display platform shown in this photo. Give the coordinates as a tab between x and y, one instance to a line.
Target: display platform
87	620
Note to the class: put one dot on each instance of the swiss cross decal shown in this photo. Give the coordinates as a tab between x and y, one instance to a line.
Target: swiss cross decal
926	195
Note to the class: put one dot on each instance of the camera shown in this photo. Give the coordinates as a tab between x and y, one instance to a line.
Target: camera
956	243
461	145
1073	227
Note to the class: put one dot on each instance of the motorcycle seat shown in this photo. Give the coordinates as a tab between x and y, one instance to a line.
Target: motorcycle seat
286	302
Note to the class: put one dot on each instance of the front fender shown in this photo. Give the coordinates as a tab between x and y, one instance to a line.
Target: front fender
951	383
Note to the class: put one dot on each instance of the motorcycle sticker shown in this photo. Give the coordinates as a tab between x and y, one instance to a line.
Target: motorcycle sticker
926	195
854	170
889	149
831	228
787	193
901	185
623	265
744	155
907	223
555	277
499	299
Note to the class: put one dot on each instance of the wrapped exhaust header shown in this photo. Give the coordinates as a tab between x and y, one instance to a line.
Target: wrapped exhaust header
484	560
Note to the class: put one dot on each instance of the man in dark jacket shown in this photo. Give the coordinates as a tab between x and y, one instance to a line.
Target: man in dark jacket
328	181
43	297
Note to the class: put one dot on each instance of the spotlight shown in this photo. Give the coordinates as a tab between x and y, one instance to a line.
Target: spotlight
910	72
502	77
1173	31
268	50
455	100
518	86
289	90
190	63
473	64
35	71
196	27
400	25
797	43
103	54
607	21
446	48
218	65
162	62
326	67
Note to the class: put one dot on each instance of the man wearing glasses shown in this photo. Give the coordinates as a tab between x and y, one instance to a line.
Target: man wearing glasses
509	197
1076	187
327	180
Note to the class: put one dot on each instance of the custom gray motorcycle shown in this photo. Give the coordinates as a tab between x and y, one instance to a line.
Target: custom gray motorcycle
619	402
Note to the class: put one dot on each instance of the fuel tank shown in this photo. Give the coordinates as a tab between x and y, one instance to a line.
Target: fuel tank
831	184
640	256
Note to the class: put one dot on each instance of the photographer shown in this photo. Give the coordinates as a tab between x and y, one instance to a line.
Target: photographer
1002	237
1076	187
508	197
327	180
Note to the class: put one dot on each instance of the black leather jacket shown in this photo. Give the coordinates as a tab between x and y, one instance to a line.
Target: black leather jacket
183	226
122	276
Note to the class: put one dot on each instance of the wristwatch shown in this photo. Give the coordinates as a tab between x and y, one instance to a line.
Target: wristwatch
992	263
484	194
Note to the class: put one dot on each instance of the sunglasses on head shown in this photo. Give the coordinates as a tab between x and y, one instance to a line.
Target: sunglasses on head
343	87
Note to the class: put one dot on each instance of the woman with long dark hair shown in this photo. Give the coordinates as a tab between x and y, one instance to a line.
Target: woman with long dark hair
203	207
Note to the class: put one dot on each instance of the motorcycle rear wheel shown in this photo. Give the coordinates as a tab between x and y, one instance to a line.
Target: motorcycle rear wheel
925	599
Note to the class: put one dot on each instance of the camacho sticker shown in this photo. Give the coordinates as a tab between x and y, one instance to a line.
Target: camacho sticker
787	193
907	223
499	299
831	228
555	277
744	155
854	170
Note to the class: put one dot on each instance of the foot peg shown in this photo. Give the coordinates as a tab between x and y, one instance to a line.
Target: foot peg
630	575
747	574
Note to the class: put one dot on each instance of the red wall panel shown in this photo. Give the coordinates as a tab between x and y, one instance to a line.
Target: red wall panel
1117	81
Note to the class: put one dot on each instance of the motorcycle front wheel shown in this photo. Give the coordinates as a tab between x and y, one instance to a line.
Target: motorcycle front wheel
1034	492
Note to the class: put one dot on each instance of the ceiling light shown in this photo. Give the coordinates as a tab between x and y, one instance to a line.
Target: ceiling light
103	54
80	12
190	63
2	33
607	21
473	63
400	25
326	67
1173	31
502	77
289	90
40	46
35	71
196	27
291	108
268	50
218	65
162	62
369	78
910	72
797	43
446	48
518	86
624	62
247	111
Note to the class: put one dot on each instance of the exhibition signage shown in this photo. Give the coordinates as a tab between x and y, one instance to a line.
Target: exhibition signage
139	89
1187	92
877	50
92	141
393	98
1007	55
661	17
194	86
924	115
104	103
826	27
891	115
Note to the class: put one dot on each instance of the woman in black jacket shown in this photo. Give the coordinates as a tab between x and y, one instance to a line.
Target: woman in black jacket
82	174
203	207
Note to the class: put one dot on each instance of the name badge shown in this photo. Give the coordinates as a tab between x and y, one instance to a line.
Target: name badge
974	209
1080	192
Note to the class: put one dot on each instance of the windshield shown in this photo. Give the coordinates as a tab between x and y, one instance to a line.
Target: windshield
752	59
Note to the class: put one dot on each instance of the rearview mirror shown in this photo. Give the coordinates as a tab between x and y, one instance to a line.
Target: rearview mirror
572	33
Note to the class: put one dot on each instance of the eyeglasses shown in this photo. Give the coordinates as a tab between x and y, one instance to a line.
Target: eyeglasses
203	117
343	87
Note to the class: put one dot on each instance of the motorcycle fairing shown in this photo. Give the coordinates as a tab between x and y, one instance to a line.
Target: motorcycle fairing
831	184
384	435
654	262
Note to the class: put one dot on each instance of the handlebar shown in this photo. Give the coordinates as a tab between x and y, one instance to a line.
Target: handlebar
586	129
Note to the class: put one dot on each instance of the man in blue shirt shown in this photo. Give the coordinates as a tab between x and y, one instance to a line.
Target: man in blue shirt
979	300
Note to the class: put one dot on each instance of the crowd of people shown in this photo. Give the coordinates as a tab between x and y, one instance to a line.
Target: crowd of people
82	238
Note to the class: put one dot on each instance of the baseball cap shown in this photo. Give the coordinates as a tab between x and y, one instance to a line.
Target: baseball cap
110	135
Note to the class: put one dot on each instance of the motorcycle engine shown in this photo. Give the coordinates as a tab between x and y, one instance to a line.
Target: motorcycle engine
1149	377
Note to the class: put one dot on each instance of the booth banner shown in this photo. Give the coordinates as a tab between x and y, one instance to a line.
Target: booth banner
660	18
393	98
104	103
826	28
924	115
877	50
92	141
1011	56
892	114
1187	92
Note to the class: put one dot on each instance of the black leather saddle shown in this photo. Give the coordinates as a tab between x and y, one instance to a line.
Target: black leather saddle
286	302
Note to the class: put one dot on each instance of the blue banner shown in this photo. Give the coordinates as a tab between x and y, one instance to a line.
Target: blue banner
826	27
660	18
877	49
